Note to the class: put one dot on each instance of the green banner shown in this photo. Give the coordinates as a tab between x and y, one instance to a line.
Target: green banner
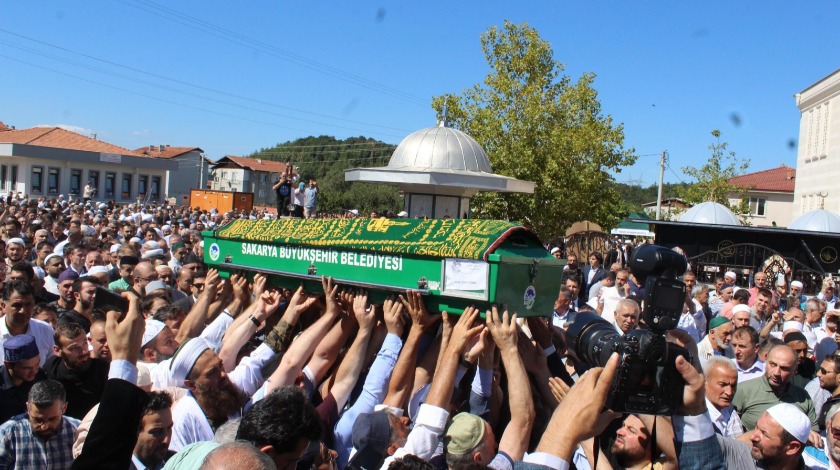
440	238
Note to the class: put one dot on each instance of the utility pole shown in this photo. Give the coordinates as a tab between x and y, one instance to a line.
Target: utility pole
661	176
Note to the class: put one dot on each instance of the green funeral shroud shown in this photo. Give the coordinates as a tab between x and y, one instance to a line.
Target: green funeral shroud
440	238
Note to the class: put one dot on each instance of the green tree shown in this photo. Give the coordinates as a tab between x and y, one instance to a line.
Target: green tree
712	179
536	124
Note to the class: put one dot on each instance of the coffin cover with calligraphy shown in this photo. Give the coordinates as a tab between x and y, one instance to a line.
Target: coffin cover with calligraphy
456	262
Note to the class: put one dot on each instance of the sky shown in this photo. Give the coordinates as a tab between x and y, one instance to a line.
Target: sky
234	77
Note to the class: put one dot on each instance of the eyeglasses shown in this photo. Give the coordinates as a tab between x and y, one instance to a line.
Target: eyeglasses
198	285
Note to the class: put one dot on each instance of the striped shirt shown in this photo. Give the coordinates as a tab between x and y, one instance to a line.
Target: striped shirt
20	448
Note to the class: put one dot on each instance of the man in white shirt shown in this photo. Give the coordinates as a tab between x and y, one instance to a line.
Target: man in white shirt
610	296
745	346
717	342
563	312
17	305
812	328
721	384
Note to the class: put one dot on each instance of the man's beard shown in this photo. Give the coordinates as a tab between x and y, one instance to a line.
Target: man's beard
48	433
86	305
219	402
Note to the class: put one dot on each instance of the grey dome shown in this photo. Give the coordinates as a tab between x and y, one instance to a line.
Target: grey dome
710	213
440	148
819	220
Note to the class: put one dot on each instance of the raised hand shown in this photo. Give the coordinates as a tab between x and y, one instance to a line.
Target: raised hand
464	331
330	289
125	337
260	281
420	318
504	329
366	317
392	310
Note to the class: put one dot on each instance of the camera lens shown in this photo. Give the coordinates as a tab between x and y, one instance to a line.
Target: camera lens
592	340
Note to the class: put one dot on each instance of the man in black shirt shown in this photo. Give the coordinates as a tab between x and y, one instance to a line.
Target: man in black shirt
83	377
17	374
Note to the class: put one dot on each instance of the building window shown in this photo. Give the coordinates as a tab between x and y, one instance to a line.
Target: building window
142	182
93	177
224	175
14	178
53	180
4	173
110	182
126	186
757	206
37	180
233	176
155	188
75	181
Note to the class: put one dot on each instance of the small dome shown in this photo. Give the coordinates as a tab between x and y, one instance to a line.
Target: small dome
710	213
819	220
440	148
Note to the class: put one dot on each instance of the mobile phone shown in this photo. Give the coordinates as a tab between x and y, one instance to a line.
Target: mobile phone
106	301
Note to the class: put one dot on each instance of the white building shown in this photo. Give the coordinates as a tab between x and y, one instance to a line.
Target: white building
771	196
49	161
818	159
192	172
247	175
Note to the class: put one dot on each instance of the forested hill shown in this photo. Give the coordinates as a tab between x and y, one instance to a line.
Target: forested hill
634	196
326	158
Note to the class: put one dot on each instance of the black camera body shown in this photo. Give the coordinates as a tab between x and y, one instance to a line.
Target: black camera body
647	380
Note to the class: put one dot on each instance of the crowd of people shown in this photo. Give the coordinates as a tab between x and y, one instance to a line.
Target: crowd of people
123	350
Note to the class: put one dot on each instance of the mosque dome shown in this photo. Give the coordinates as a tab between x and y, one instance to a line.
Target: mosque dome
710	213
440	148
819	220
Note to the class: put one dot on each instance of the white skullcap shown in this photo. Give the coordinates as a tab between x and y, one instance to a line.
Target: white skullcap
185	358
19	241
115	247
730	274
166	227
51	256
150	253
144	378
97	270
555	250
153	328
159	232
155	285
796	284
740	308
792	325
134	240
151	245
792	419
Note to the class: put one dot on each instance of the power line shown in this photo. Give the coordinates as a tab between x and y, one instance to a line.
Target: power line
180	82
242	40
174	90
144	95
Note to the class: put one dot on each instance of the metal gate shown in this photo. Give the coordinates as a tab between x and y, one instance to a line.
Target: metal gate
746	259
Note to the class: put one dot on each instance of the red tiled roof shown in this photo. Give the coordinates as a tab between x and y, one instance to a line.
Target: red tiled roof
166	152
781	179
57	137
4	127
254	164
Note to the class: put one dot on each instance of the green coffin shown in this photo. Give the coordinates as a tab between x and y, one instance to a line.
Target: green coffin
454	262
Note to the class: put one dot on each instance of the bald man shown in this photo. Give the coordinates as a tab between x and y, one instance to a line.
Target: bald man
756	396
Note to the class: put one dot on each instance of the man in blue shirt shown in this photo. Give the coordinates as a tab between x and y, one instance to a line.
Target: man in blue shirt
310	199
42	437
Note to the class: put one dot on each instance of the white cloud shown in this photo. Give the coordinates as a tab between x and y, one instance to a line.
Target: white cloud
69	127
142	133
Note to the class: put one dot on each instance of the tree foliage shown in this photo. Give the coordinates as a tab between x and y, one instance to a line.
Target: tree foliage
537	124
633	196
712	179
326	158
